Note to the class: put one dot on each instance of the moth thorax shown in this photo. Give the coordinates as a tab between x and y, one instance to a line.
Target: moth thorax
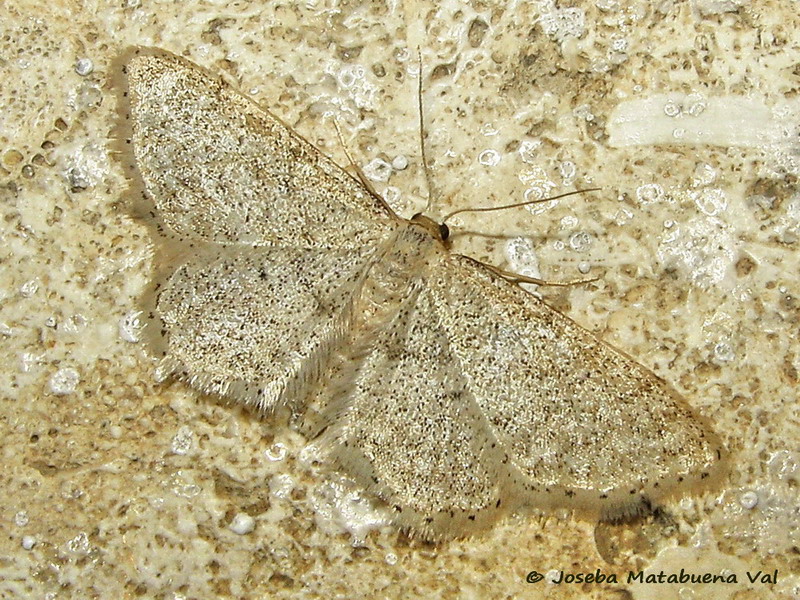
403	258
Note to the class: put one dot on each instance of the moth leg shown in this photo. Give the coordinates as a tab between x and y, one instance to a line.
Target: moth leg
518	278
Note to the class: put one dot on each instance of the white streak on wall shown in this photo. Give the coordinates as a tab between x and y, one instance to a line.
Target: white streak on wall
677	118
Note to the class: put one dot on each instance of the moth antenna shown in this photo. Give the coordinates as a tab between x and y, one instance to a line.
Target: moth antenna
517	277
421	111
516	204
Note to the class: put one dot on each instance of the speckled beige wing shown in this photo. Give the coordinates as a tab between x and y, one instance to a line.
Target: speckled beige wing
214	166
477	398
261	241
408	429
585	426
257	326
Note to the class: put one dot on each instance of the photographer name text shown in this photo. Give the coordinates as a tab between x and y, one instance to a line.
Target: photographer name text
681	577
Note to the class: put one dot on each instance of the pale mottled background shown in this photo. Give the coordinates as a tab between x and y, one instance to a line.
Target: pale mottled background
116	486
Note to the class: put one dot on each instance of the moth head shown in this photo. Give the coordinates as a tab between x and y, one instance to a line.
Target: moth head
439	230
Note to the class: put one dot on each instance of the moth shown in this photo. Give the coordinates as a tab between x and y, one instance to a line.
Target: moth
447	391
